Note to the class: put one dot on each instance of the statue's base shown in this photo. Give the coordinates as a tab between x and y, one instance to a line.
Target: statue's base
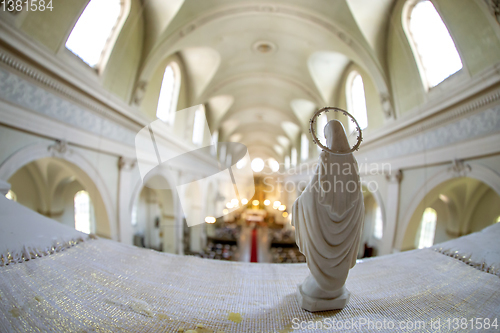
313	304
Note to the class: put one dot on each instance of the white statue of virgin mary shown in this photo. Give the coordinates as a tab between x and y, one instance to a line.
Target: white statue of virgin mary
328	218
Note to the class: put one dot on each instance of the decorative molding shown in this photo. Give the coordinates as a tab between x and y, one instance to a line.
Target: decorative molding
125	163
456	101
59	148
45	80
394	177
4	187
494	7
140	91
19	91
385	101
421	139
51	214
459	169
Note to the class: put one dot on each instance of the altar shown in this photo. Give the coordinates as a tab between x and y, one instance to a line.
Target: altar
53	278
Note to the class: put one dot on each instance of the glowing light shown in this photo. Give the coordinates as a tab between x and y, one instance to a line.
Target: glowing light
275	166
267	202
229	205
234	202
285	214
11	196
225	211
244	201
276	204
281	208
444	198
210	219
255	202
257	164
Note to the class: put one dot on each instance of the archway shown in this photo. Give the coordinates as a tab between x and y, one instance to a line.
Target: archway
374	224
153	216
48	186
462	206
192	207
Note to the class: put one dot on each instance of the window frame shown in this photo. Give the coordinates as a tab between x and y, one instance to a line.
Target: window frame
405	21
74	60
91	212
175	92
349	100
421	227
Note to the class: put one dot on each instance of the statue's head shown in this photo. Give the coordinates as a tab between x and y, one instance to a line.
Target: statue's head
336	138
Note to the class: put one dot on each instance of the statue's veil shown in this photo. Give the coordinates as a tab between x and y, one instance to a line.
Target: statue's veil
338	176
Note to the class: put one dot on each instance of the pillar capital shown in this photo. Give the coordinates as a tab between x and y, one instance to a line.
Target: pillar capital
394	176
126	163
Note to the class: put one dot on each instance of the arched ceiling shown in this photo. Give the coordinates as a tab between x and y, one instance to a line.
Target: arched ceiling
263	67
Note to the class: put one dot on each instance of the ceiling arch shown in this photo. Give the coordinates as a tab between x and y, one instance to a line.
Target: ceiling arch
276	63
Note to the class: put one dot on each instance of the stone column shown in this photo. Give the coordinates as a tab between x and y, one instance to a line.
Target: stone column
391	211
125	231
179	218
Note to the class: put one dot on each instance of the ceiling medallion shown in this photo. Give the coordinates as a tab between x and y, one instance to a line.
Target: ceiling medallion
264	47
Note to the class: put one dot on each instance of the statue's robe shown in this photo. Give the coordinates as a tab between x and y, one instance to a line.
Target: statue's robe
328	216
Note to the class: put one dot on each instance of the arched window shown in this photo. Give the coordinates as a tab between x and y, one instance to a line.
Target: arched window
433	47
294	156
11	195
378	229
356	101
199	125
96	31
427	228
304	147
84	212
287	162
169	93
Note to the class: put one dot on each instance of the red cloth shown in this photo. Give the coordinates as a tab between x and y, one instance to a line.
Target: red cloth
253	249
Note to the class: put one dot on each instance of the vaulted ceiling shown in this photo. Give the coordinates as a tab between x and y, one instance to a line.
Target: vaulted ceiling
263	67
